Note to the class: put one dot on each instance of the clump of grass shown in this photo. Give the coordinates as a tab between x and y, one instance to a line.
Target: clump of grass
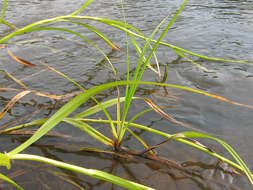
121	125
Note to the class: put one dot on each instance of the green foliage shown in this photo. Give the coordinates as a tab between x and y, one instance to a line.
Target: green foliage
5	161
81	120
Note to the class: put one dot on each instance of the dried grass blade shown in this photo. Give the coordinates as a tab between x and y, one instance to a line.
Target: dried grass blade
52	96
14	79
22	61
165	115
13	101
10	25
8	89
31	132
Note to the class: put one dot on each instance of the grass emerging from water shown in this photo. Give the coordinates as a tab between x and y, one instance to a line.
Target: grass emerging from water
119	127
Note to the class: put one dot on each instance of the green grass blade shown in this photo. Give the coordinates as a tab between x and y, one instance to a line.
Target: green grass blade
81	36
193	62
3	11
82	8
97	108
176	48
73	104
182	140
90	172
225	145
132	89
77	34
90	130
5	178
96	31
138	50
138	73
22	126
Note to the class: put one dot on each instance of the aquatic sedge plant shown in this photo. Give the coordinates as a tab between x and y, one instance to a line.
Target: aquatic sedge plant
120	126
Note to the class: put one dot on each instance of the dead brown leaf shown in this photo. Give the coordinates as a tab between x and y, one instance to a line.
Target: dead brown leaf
22	61
13	101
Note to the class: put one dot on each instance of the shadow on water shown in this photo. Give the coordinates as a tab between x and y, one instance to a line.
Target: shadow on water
218	28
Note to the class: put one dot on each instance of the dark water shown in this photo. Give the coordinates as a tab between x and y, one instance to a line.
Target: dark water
217	28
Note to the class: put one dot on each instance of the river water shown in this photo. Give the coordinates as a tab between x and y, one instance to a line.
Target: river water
215	28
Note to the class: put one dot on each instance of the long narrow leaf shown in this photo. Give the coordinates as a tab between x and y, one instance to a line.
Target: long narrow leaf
97	108
90	172
3	11
5	178
82	8
80	99
178	137
227	146
90	130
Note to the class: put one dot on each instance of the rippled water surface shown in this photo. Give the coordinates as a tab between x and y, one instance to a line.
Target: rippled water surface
216	28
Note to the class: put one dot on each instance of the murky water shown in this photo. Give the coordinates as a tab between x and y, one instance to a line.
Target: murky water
217	28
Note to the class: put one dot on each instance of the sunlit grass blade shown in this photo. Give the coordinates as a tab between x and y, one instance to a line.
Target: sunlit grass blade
139	71
90	130
73	104
97	32
10	25
79	35
121	26
97	108
90	172
117	24
83	89
133	87
3	11
22	126
82	8
138	49
5	178
178	137
193	62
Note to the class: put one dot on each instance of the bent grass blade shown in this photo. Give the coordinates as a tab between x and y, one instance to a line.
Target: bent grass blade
5	178
90	130
180	138
73	104
90	172
13	101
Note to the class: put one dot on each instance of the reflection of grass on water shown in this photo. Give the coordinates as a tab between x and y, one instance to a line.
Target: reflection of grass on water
120	126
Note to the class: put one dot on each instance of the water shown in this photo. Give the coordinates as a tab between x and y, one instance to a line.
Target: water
217	28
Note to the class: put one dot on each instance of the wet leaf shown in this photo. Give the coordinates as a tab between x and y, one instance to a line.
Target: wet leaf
22	61
165	115
13	101
14	79
31	132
